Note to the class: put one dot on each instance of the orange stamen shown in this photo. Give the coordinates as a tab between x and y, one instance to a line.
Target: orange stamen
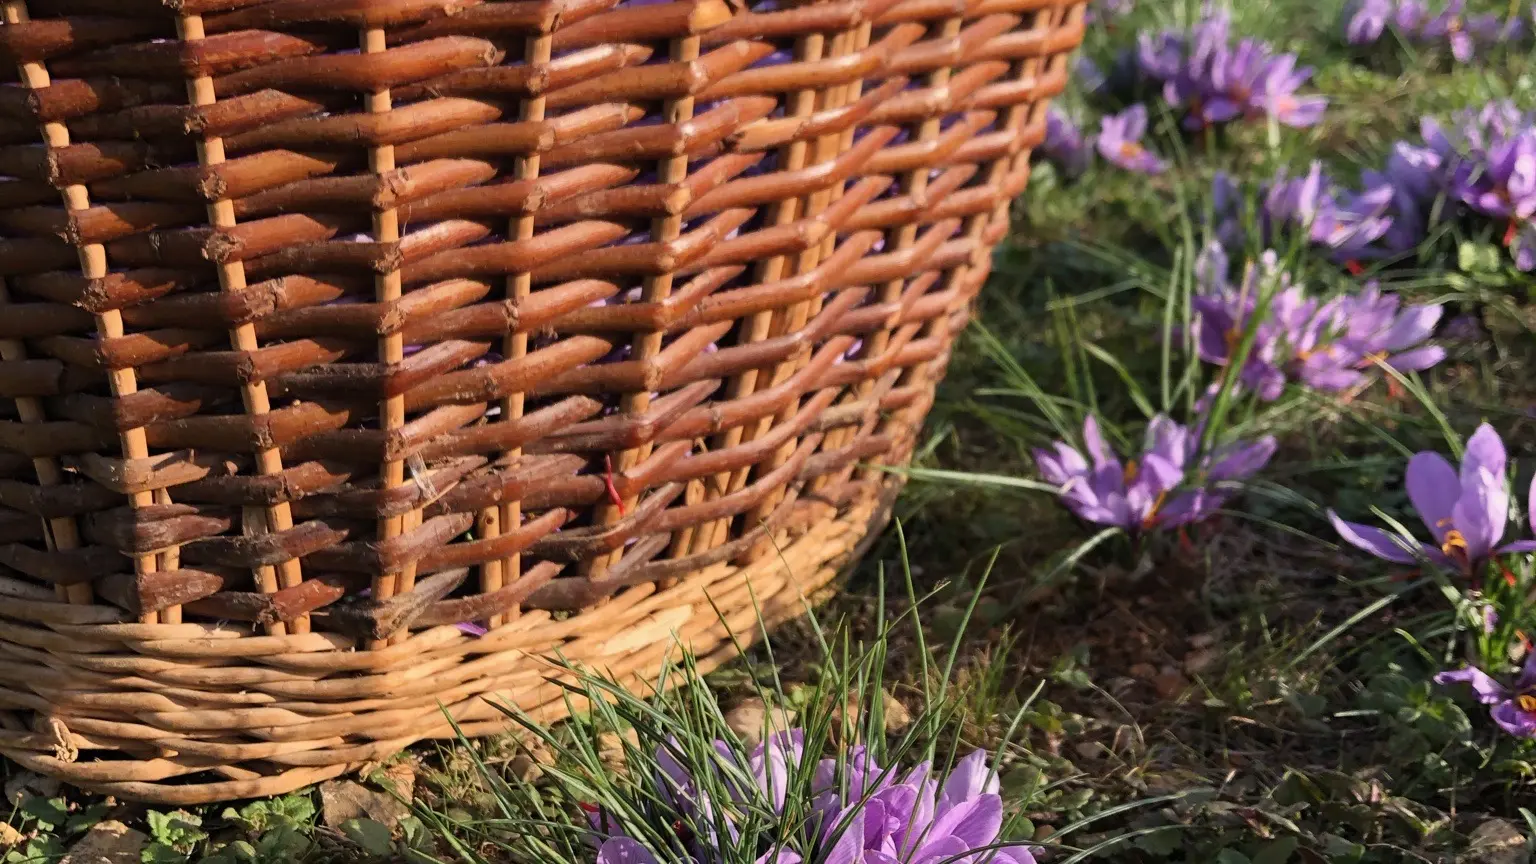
1526	702
1455	547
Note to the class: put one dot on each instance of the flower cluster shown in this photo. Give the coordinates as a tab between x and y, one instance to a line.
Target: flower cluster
1483	165
1159	490
862	814
1326	345
1466	512
1366	21
1214	81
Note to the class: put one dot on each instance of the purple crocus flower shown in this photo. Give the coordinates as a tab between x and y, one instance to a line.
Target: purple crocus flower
1366	20
1466	513
1141	495
1461	32
1107	492
1345	222
1513	708
1505	184
1275	94
1064	145
1222	471
1223	314
1377	329
1359	331
911	818
1120	141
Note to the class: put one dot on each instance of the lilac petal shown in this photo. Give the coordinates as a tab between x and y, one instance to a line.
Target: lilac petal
1516	548
1485	450
1098	450
1514	719
1461	46
1488	690
972	776
1527	677
975	822
1158	474
624	850
1480	514
1416	324
850	844
1373	540
1418	359
780	856
1530	504
1433	489
1245	460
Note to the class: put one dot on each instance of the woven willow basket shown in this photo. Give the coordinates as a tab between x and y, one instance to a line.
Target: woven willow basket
338	333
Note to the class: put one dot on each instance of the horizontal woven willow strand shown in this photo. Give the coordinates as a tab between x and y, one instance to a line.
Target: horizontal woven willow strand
355	354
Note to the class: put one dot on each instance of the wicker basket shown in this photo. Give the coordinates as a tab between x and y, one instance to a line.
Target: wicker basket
339	332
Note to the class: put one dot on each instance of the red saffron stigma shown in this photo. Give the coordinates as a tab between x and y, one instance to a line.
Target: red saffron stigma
1354	267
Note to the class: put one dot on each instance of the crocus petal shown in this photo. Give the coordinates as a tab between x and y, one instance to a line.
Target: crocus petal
1418	359
624	850
1480	514
972	776
975	822
1487	690
1245	460
1527	678
1373	540
1416	324
1530	507
1098	450
1433	488
1517	547
1485	451
1514	719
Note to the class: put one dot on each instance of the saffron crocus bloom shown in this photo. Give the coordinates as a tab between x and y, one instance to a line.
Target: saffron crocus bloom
1466	513
1275	94
1107	492
1505	184
1377	329
1460	31
1223	315
1513	708
1120	141
911	819
1064	145
1219	474
1366	20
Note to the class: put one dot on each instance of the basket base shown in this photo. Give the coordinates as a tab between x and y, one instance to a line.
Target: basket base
306	712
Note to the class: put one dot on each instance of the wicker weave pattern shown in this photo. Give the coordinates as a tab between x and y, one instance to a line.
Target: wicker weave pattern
329	325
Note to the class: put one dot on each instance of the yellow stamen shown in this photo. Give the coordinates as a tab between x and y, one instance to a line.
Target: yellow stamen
1130	149
1372	359
1132	471
1151	520
1526	702
1455	546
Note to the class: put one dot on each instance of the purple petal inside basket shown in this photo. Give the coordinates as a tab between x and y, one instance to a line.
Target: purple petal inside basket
470	628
